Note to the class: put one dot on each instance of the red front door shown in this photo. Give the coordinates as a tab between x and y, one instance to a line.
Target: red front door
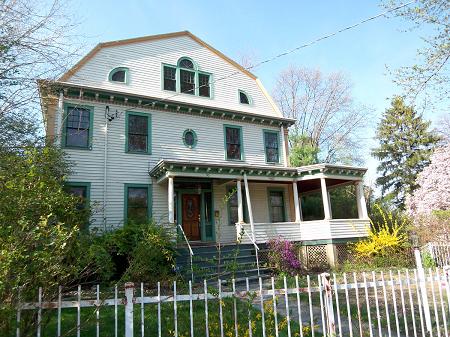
191	216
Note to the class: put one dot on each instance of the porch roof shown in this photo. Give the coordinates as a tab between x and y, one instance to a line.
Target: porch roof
334	173
165	168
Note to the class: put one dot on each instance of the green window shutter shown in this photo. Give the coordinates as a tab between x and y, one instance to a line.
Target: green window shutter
138	132
272	146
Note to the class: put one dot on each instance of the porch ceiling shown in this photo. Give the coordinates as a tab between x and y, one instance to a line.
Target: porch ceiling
312	185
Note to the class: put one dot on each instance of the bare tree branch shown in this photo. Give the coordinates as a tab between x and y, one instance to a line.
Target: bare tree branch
325	112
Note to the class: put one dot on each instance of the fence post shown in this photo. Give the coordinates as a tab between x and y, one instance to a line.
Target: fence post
129	301
328	299
423	288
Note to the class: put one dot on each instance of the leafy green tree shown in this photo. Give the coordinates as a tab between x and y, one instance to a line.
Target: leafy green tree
406	144
39	230
302	151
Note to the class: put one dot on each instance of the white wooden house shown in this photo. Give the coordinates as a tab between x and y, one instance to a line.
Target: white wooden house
166	126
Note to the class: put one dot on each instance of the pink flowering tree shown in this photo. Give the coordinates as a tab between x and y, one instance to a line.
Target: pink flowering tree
434	181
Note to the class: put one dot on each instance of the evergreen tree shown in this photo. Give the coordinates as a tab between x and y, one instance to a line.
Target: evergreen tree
406	144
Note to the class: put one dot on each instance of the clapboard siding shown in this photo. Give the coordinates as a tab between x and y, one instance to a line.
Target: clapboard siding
144	60
260	206
167	143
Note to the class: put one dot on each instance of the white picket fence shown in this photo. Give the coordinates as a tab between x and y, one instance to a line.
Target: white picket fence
439	252
402	303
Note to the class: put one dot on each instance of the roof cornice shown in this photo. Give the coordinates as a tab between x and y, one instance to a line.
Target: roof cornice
93	94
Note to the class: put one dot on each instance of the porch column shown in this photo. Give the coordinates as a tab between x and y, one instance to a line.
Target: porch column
361	200
240	203
170	201
325	199
249	207
296	202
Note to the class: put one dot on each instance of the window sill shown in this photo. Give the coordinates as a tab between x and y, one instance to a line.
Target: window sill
139	153
77	148
187	95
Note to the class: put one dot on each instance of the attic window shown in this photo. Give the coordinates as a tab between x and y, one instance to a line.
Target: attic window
243	98
186	78
119	75
185	63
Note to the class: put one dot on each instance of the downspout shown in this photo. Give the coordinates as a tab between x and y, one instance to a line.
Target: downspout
58	119
105	162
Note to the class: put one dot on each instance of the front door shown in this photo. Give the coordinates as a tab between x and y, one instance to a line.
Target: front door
191	216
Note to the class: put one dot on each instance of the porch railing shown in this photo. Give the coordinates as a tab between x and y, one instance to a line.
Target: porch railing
191	253
310	230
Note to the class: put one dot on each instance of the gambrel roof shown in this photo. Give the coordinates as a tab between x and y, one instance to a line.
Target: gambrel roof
102	45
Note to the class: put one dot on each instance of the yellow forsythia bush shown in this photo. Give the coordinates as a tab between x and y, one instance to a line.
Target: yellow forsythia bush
386	237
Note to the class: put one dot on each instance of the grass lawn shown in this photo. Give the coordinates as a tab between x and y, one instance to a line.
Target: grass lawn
107	322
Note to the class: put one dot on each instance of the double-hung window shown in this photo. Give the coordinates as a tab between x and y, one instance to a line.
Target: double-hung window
276	206
186	78
137	203
138	133
170	78
187	82
272	146
79	190
233	142
203	85
78	127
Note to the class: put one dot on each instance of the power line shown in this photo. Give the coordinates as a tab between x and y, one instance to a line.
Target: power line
293	50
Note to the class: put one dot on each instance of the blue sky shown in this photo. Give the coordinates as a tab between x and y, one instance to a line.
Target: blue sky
263	29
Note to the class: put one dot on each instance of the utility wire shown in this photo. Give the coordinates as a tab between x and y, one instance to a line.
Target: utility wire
305	45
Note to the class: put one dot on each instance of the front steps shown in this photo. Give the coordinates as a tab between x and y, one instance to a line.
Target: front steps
236	261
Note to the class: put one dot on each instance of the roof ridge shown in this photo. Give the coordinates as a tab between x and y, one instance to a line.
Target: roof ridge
88	56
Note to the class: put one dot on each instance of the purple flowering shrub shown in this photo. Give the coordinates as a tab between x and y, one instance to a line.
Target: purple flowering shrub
283	256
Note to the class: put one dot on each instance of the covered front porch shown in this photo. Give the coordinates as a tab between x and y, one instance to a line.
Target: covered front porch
319	181
229	202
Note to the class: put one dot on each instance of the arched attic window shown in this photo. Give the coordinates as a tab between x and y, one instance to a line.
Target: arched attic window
244	98
119	74
186	78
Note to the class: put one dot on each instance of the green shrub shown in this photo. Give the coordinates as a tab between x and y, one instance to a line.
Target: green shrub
39	229
387	244
135	252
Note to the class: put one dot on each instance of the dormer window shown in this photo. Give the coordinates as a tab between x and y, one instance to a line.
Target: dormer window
119	75
185	78
244	98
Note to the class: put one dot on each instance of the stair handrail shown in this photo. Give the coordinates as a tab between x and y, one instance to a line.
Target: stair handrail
251	239
256	248
191	253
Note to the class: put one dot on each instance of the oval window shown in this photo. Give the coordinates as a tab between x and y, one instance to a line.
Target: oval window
189	138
